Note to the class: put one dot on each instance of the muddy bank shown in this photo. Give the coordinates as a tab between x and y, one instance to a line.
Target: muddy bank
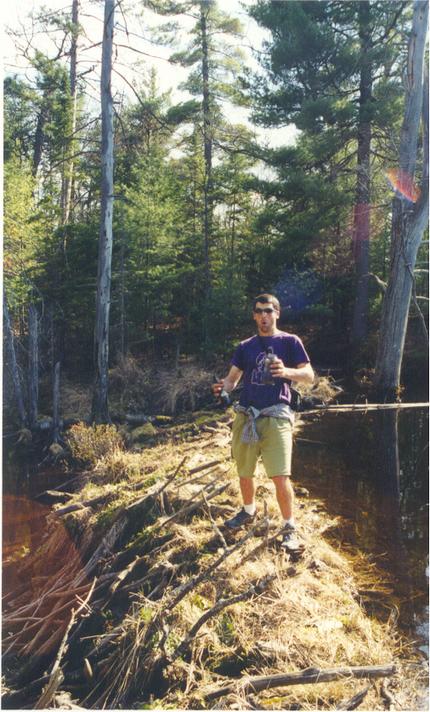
138	597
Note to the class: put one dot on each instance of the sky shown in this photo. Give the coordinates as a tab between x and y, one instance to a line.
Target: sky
135	54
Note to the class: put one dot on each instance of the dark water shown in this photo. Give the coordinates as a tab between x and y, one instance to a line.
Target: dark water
371	470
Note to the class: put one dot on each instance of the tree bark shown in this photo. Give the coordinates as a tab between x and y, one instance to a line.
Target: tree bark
100	409
13	363
33	365
408	221
362	207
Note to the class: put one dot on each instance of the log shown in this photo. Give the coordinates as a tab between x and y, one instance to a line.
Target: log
360	407
137	418
304	677
53	497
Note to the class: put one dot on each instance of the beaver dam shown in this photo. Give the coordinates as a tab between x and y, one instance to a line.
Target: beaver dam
138	598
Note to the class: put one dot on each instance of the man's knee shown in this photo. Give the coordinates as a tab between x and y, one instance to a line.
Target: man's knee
282	481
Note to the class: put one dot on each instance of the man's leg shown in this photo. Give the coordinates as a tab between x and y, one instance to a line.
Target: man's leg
248	513
285	496
246	456
247	488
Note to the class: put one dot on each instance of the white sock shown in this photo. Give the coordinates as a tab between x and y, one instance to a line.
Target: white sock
250	508
289	521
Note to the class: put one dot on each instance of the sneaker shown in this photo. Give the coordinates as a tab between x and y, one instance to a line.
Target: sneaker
241	519
290	541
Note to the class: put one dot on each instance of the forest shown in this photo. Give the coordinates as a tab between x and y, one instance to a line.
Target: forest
137	229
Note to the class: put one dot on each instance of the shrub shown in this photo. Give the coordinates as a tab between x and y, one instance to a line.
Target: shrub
90	443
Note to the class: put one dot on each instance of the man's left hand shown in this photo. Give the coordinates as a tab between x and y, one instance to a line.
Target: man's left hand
278	369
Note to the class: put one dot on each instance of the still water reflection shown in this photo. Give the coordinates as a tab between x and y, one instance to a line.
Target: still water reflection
372	471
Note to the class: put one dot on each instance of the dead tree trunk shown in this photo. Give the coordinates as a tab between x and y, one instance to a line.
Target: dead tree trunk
408	221
56	405
207	188
69	165
100	409
33	365
13	365
362	207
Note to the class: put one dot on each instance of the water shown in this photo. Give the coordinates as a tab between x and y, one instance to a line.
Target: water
371	470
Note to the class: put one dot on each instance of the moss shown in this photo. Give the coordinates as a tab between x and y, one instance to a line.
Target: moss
142	433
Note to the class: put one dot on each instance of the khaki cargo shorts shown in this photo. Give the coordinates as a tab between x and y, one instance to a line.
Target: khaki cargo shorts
275	446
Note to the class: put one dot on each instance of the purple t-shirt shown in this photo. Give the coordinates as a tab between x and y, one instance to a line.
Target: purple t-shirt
249	357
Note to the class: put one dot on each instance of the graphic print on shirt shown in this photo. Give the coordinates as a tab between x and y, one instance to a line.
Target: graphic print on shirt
257	378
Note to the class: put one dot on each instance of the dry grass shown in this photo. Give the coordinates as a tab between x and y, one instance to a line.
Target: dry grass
324	388
183	388
148	387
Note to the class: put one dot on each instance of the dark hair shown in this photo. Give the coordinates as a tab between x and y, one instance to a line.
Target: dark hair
267	299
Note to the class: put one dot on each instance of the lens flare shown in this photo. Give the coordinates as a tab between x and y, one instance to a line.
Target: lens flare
403	184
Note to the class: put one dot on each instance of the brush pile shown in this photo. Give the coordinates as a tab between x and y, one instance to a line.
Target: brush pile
139	598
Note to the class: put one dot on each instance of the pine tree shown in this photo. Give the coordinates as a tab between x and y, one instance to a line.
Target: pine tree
332	70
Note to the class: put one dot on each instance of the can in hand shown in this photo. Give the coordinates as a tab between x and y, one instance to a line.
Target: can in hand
267	378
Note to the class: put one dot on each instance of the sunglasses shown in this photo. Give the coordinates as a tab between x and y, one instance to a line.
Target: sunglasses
258	310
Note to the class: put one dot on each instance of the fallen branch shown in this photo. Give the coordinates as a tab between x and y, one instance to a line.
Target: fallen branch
305	677
191	507
253	590
186	588
215	526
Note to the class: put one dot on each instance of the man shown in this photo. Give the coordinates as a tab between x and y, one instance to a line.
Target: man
264	419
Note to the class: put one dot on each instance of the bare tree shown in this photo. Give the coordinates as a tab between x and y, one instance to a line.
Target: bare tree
408	221
100	407
69	166
33	365
13	365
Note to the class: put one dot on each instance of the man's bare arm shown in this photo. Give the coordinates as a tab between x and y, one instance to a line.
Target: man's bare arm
228	383
303	373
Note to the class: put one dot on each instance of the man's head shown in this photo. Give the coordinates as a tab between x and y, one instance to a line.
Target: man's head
266	311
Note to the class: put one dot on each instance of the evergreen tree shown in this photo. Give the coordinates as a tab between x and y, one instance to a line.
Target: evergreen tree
332	70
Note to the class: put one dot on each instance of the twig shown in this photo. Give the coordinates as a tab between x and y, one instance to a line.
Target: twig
354	701
172	477
387	696
215	527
